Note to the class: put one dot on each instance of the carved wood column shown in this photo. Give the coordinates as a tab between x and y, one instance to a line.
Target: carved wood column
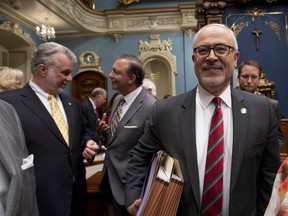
209	11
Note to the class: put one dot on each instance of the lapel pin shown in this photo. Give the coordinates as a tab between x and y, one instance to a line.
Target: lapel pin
243	111
69	104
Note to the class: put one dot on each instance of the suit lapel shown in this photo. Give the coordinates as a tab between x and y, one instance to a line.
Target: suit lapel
136	104
187	121
240	119
33	103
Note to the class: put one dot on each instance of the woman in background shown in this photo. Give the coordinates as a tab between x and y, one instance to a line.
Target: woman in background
10	78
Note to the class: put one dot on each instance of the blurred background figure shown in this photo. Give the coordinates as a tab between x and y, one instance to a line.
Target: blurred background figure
10	78
17	179
249	74
167	96
150	87
92	110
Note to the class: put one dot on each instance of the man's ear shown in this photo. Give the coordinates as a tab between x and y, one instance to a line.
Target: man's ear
132	79
42	70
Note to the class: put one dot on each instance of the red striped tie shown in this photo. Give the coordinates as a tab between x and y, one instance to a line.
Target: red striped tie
213	182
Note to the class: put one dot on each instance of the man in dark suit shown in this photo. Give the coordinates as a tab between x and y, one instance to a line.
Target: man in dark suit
59	168
126	76
18	186
180	126
249	74
96	101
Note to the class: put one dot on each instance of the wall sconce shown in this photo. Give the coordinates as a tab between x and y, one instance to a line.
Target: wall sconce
116	37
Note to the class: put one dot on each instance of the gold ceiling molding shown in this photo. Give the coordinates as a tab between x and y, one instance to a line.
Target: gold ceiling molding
16	29
127	2
118	22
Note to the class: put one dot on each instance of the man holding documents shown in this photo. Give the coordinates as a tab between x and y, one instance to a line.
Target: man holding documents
129	113
225	139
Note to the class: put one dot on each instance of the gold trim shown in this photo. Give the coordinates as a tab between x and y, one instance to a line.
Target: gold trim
237	28
89	59
127	2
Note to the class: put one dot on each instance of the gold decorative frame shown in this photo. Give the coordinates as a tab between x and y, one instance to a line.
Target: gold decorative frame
238	26
89	59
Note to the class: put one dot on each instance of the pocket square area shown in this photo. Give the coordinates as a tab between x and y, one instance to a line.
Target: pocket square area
28	162
130	126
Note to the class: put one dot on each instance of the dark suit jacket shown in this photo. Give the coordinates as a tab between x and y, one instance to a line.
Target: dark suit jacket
57	166
127	133
255	154
275	105
21	195
89	117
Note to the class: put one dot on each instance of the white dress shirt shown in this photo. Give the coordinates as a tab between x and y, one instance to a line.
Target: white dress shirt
43	96
203	115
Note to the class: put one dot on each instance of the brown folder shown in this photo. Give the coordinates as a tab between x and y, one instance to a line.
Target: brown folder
162	188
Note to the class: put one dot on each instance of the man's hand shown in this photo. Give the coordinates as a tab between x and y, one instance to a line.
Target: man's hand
102	125
90	150
132	209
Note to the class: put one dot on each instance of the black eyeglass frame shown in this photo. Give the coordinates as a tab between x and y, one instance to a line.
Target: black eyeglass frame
195	50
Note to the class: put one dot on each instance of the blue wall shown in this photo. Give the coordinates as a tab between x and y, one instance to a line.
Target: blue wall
107	49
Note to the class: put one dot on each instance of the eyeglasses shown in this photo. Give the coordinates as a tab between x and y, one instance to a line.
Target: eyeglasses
247	76
220	50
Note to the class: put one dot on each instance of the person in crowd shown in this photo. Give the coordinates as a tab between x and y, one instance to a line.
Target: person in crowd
278	204
249	74
96	101
10	78
54	131
150	87
129	113
236	175
17	178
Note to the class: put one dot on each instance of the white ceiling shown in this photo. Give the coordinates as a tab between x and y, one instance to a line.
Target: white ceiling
33	12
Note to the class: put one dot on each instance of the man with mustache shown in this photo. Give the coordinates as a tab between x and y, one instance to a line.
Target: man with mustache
237	178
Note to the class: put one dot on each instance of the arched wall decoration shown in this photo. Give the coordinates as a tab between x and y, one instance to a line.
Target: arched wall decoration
16	29
89	60
159	63
89	76
20	47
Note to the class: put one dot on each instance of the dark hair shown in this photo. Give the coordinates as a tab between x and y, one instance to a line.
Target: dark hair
251	63
135	67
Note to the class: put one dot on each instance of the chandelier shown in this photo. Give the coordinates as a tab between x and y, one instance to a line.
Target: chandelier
45	32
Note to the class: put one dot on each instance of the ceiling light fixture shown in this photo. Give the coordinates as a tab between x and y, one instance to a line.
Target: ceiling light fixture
45	32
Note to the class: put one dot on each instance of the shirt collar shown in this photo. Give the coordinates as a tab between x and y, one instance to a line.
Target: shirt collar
93	104
129	98
205	98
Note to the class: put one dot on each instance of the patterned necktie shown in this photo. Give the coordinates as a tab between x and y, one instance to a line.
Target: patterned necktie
117	116
58	118
213	182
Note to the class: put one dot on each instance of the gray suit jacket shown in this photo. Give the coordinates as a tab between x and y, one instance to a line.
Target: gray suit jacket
21	196
127	133
58	168
255	154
